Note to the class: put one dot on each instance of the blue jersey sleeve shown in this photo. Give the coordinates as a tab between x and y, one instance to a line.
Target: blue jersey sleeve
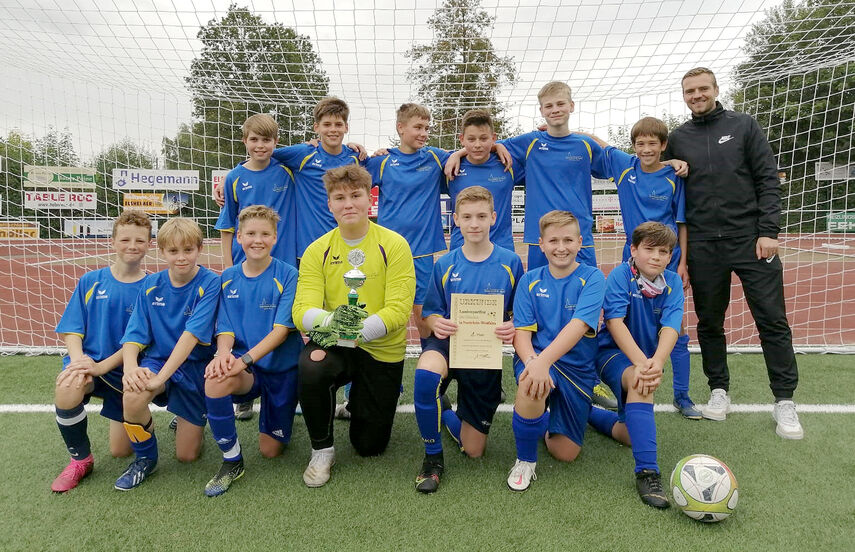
224	321
138	329
590	300
228	213
616	299
73	320
672	308
373	165
441	154
679	201
435	303
201	322
524	315
286	301
599	159
293	156
617	163
518	146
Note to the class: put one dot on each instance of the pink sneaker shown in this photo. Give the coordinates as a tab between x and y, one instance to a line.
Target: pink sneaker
73	474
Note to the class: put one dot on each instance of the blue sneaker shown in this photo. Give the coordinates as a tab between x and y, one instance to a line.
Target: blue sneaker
686	407
136	473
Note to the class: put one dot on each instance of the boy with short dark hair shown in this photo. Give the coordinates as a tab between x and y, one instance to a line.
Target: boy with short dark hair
257	347
173	323
556	313
92	327
259	180
482	167
478	266
642	314
373	358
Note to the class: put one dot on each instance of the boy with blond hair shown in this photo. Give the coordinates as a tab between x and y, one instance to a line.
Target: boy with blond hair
92	327
173	324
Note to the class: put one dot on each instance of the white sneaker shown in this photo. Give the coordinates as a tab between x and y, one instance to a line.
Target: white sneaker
341	411
789	427
521	475
318	471
718	406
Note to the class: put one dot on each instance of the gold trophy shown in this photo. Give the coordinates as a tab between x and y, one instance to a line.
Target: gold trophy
353	278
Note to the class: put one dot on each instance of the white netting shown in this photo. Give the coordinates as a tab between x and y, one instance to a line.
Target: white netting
164	85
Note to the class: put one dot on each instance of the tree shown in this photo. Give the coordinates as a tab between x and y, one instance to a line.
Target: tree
798	81
55	149
124	154
16	150
460	70
619	136
246	66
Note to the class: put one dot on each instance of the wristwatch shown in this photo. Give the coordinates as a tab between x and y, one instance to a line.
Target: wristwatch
246	359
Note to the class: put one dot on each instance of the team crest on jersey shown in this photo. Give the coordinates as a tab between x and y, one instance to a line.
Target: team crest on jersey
543	147
542	292
426	168
266	305
188	311
279	188
158	302
569	306
101	294
493	291
233	294
573	157
492	178
129	309
655	197
394	162
657	311
245	185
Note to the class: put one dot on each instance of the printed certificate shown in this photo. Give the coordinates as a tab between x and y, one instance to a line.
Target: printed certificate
475	344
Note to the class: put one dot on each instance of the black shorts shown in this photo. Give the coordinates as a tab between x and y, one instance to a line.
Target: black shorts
479	391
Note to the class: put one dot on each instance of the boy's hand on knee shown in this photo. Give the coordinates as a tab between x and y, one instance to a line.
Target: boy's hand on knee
82	363
535	381
73	378
154	382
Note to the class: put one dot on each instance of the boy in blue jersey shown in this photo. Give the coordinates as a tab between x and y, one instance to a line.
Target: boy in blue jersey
259	180
650	190
642	315
257	347
556	313
478	266
172	323
410	180
481	167
92	327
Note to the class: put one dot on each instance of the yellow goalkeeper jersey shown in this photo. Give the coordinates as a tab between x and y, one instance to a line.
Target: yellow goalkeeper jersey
389	288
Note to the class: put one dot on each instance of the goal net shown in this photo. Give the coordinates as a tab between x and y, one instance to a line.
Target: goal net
108	105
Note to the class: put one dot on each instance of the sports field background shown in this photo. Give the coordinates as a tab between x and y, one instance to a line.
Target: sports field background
794	495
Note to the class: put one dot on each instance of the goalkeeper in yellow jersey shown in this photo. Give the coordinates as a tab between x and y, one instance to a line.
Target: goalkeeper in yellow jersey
354	296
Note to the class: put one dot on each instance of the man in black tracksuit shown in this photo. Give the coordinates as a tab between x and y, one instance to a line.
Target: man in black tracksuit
733	207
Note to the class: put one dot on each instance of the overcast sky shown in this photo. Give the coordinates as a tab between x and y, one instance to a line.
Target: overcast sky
109	69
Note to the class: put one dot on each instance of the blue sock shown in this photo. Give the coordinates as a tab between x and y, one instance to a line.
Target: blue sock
642	434
527	433
221	418
680	366
452	423
426	399
72	426
347	391
603	420
147	448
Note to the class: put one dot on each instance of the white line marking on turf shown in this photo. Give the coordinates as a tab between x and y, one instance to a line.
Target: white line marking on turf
410	409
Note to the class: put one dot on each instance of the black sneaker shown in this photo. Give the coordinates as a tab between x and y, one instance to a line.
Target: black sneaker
428	479
228	474
649	486
173	423
243	411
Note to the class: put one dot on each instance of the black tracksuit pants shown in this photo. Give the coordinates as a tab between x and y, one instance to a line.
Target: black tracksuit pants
710	264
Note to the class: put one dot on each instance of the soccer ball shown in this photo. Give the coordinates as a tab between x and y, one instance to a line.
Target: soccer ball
704	488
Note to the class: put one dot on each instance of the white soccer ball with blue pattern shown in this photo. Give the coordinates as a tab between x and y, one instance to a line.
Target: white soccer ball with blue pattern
704	488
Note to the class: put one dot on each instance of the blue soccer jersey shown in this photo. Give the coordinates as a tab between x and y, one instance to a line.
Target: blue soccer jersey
273	187
98	311
558	176
492	175
163	312
658	196
409	196
251	307
544	304
454	273
309	163
643	316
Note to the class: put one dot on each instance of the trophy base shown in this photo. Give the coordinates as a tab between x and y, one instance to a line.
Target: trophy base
348	343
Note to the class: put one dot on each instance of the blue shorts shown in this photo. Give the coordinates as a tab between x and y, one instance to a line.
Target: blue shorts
587	256
479	392
424	271
672	265
109	389
569	403
185	390
278	392
611	364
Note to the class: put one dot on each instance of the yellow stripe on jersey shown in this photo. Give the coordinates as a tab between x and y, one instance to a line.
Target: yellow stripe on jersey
234	189
573	383
445	276
532	328
227	282
287	170
531	285
149	290
355	159
306	160
622	175
435	158
527	151
201	291
279	286
510	274
583	281
590	153
226	333
669	289
383	166
89	293
673	186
